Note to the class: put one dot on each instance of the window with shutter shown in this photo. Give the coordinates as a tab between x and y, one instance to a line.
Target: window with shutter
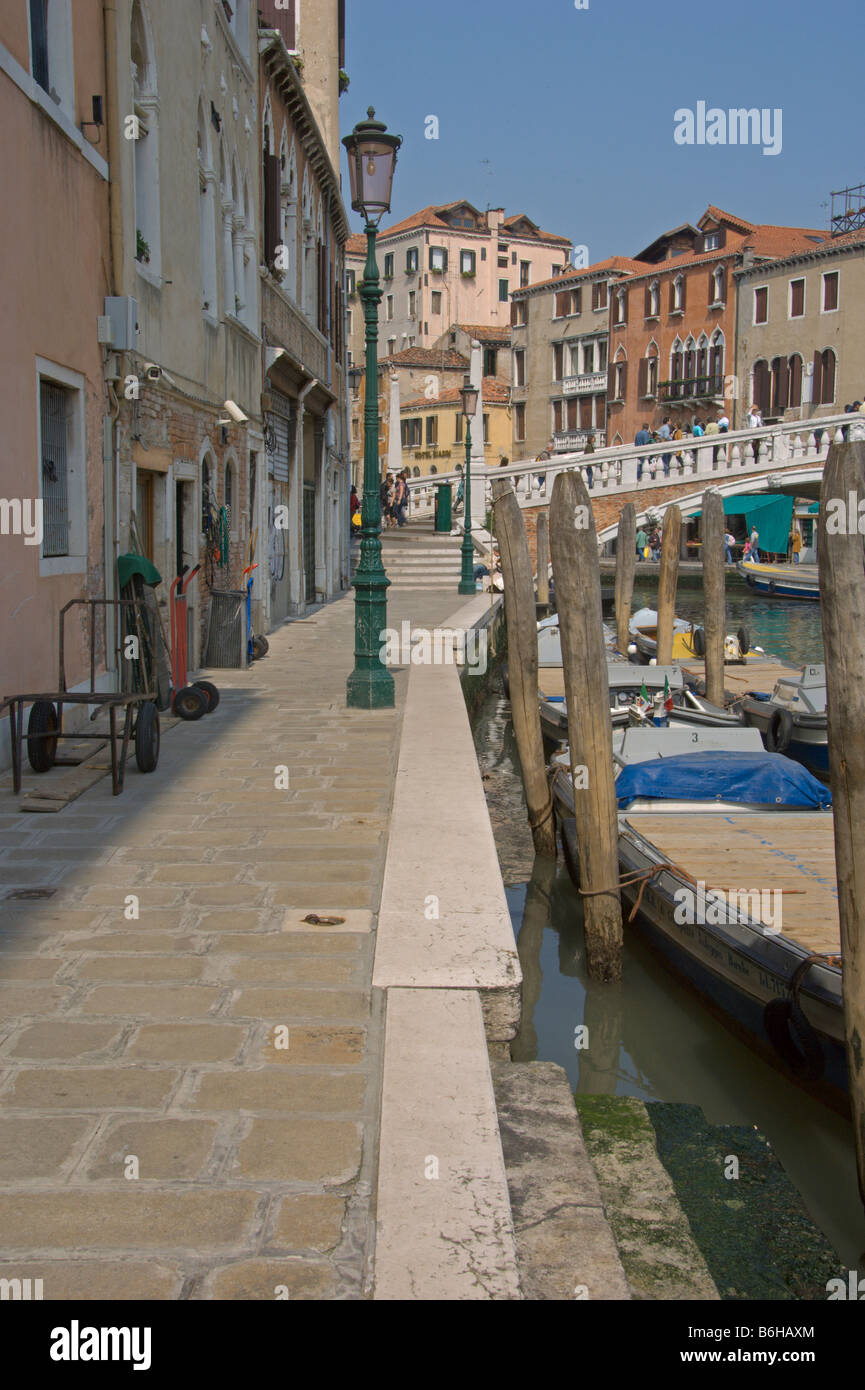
830	291
761	305
558	362
560	305
795	380
647	303
39	42
797	298
281	15
572	413
272	178
643	377
557	416
817	382
827	394
53	421
762	397
585	412
779	385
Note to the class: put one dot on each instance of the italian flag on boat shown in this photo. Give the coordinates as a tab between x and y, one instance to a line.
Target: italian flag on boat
644	694
668	699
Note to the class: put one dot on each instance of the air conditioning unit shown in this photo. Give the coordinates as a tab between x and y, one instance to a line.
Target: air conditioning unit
122	310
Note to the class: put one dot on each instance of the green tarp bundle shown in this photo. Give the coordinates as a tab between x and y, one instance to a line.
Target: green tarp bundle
770	512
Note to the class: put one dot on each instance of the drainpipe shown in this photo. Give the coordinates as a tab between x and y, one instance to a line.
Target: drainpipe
112	99
111	447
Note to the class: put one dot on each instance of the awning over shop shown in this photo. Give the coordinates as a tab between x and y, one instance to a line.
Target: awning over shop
770	512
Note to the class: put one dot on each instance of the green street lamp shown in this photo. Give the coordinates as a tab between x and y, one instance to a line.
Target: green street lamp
469	395
371	163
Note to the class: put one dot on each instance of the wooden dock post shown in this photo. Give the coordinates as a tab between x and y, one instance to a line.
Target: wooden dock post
574	547
714	594
668	575
543	549
840	557
523	663
626	563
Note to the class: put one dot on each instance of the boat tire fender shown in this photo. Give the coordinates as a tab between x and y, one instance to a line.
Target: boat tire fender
743	637
749	580
793	1038
779	731
771	586
699	641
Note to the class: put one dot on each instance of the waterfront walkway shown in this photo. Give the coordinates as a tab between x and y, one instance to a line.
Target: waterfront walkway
190	1072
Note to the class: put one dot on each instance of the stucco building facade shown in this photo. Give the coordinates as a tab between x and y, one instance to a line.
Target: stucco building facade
54	246
800	332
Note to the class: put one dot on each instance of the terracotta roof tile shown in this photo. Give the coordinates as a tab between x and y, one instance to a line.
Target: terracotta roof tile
355	245
445	360
719	215
429	217
570	277
486	333
495	392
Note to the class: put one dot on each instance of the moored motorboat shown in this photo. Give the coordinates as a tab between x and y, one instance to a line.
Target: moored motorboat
726	852
688	639
792	719
638	694
781	581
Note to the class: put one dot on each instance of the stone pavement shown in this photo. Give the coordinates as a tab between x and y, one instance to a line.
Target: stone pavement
189	1072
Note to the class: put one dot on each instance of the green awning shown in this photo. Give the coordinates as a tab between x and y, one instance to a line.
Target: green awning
770	512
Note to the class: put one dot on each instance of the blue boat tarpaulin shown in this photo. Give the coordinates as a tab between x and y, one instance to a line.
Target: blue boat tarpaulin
749	778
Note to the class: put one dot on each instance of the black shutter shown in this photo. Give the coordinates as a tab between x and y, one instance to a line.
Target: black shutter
643	377
283	18
39	42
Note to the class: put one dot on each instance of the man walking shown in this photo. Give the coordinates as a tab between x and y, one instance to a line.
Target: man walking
666	433
642	437
755	547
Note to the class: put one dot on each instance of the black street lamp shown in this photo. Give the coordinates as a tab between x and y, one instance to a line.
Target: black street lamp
469	396
371	163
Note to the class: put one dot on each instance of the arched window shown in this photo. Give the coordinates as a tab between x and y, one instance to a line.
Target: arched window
620	374
701	370
677	368
717	285
716	363
145	102
415	472
621	298
794	376
208	492
207	218
288	192
653	303
229	498
648	369
226	204
677	293
824	377
237	230
308	263
238	23
779	373
690	364
433	468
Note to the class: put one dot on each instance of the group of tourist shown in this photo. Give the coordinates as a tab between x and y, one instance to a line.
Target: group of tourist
393	495
668	434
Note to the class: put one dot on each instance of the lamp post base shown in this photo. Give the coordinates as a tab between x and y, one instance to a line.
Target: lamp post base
370	690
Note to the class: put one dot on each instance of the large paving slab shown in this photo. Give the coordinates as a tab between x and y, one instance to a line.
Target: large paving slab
189	1061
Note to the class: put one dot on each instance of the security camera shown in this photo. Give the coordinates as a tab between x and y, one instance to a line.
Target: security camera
236	413
152	371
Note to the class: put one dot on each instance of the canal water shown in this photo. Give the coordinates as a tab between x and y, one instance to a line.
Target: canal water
652	1037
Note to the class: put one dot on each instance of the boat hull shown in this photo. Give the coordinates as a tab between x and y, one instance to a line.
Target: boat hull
735	976
781	581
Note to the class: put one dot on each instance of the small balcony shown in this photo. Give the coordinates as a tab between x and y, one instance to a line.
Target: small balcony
571	441
585	385
692	388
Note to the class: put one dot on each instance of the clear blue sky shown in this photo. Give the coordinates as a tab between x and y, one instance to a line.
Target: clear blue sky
574	109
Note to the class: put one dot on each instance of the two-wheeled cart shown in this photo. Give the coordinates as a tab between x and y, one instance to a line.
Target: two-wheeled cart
45	723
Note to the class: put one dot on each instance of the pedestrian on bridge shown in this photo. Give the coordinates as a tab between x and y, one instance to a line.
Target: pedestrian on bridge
642	437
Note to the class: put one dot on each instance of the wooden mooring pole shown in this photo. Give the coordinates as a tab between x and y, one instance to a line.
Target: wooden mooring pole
714	594
626	562
523	663
841	561
574	547
668	575
543	549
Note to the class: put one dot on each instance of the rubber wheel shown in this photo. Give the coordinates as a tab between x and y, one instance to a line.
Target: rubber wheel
260	647
212	694
41	752
190	703
699	641
743	637
147	737
793	1038
779	731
